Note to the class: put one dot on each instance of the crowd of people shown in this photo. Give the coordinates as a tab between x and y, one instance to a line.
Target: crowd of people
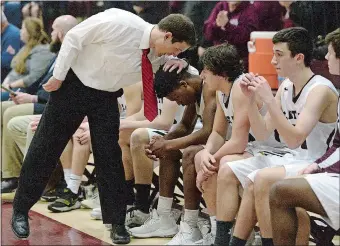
245	151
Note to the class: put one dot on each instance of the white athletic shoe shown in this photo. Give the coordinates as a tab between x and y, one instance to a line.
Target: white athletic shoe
135	217
186	236
92	202
96	214
156	226
208	239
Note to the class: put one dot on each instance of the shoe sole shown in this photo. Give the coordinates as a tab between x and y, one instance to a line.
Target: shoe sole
86	206
18	236
48	199
96	216
65	209
159	233
121	241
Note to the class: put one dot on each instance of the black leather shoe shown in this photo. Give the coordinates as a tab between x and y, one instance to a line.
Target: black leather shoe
9	185
119	234
20	225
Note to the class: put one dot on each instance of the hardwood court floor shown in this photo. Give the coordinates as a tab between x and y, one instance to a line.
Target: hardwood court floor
71	228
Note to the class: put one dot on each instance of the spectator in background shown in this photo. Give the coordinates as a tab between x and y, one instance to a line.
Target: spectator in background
25	104
151	11
32	9
269	14
198	12
176	6
232	22
12	10
33	58
10	44
287	22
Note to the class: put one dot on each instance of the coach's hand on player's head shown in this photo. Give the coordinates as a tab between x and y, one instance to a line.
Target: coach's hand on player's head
53	84
159	147
175	63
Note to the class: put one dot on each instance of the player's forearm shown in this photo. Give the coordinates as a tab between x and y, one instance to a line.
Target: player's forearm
286	130
196	138
180	131
215	141
257	123
231	147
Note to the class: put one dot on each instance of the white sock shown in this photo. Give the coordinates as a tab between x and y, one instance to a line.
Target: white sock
191	217
213	224
67	174
164	205
74	184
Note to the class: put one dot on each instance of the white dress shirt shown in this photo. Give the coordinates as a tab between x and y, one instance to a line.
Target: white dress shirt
105	50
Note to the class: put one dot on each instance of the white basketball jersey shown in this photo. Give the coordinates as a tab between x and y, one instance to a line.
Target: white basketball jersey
228	109
122	102
179	112
320	138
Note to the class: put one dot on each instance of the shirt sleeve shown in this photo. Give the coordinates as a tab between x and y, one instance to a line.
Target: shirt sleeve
38	65
211	31
92	30
332	157
240	34
10	48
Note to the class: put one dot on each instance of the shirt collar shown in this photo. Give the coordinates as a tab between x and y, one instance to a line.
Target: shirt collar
145	41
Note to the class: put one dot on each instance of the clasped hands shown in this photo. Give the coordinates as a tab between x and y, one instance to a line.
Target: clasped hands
157	148
208	166
252	84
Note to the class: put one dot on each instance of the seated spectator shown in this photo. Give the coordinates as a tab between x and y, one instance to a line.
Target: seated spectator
302	115
10	45
320	183
12	10
33	58
170	148
232	22
28	104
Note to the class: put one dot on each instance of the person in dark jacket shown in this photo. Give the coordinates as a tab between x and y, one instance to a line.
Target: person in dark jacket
232	22
10	45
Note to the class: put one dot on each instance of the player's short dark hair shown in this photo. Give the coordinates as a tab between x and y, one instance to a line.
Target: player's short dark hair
223	60
166	82
298	41
333	38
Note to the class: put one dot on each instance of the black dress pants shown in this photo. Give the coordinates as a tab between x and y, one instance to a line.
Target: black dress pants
63	114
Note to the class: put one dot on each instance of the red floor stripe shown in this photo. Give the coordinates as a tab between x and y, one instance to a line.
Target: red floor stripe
44	231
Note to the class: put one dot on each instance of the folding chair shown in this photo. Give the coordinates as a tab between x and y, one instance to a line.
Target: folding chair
321	233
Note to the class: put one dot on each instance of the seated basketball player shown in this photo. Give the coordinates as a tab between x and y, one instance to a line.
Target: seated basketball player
319	186
232	112
303	114
184	89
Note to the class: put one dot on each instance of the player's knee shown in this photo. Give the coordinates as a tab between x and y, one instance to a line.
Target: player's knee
139	138
277	193
188	157
226	175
